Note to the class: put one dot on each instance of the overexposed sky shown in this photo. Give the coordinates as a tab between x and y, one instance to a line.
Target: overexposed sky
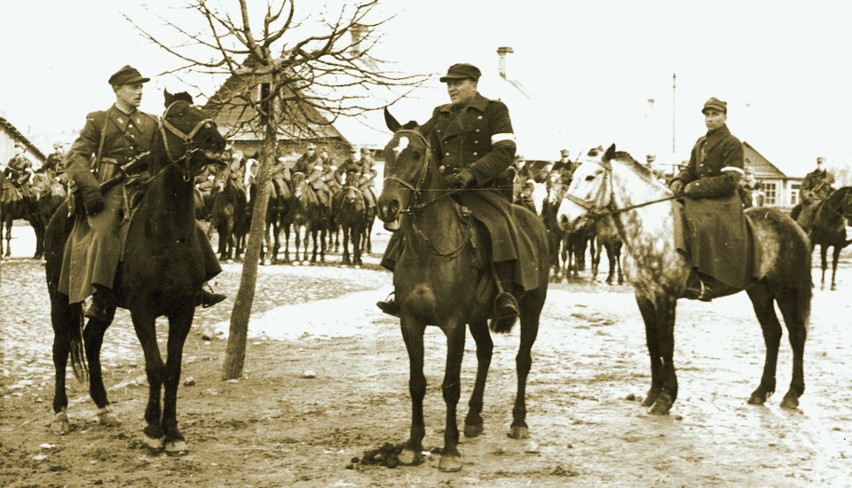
592	66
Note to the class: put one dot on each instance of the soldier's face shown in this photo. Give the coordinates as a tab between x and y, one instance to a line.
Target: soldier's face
461	91
714	119
129	94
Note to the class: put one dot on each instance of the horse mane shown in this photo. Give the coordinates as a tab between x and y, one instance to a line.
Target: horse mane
626	157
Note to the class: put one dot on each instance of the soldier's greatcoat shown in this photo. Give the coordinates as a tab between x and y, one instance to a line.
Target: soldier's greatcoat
92	252
718	242
480	138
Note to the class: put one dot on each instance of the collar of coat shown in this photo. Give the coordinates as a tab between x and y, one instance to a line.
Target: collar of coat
479	103
714	136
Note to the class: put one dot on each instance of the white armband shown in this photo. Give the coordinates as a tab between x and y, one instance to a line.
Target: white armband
733	168
505	136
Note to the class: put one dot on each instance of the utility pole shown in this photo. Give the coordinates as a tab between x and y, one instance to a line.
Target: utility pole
674	110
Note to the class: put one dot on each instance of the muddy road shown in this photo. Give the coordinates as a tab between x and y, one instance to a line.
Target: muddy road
277	427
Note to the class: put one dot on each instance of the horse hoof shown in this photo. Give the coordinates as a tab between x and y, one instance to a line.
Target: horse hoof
756	399
153	443
60	424
790	403
107	419
176	448
472	430
519	433
409	457
661	405
450	463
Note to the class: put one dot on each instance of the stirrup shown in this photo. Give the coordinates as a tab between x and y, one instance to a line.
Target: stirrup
389	305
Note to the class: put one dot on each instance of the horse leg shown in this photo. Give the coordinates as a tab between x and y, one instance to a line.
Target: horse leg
358	243
795	311
412	333
610	258
659	317
823	255
764	308
834	258
93	336
179	325
66	336
9	238
596	262
523	361
450	457
345	259
484	348
618	263
145	327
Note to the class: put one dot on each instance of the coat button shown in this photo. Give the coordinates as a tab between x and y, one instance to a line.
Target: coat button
475	153
446	154
477	130
479	118
476	142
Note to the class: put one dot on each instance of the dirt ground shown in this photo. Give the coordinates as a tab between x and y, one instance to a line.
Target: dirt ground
277	427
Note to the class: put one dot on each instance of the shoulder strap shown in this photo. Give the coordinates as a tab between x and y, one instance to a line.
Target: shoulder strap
103	137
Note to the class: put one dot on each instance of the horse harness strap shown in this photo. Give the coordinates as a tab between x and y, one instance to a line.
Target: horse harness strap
185	137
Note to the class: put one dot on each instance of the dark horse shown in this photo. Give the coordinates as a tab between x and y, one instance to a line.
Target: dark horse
227	215
48	194
828	229
436	280
644	214
307	214
160	275
351	212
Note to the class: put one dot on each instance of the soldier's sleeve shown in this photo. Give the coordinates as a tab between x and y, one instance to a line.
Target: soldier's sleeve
83	150
687	175
503	147
725	183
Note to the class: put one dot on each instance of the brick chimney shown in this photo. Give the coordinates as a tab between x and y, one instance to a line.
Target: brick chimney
502	52
357	31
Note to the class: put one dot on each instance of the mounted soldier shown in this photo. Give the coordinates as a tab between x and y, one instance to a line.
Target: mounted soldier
54	165
815	188
106	164
472	142
716	237
19	169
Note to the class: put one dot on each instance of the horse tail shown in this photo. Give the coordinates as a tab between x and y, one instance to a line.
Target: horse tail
75	346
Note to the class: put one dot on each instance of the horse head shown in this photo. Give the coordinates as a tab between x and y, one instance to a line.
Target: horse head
188	135
587	192
406	164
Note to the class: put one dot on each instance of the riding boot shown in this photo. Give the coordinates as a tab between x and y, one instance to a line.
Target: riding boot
103	304
208	298
506	308
389	305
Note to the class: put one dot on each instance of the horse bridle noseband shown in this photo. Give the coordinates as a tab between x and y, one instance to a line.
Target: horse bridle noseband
187	138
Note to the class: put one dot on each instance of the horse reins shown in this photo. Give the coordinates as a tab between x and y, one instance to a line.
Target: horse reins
610	209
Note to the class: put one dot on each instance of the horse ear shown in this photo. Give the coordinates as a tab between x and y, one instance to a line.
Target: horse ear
391	121
610	153
169	98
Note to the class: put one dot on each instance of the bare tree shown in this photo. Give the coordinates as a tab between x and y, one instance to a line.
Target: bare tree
287	78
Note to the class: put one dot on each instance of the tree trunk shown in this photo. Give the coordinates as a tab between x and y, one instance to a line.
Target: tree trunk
236	350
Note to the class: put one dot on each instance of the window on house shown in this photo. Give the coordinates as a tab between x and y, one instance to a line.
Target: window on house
794	193
771	191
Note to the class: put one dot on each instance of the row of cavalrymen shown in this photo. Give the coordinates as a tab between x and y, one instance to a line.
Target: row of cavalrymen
323	176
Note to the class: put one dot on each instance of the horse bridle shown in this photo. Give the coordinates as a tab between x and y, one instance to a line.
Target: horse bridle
187	138
598	211
414	202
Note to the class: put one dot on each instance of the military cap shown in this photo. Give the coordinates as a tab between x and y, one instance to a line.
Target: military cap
312	146
127	75
462	71
820	159
715	104
565	153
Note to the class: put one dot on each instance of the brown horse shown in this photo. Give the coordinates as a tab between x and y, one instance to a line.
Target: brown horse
438	282
48	194
828	229
351	213
307	215
644	214
160	275
227	215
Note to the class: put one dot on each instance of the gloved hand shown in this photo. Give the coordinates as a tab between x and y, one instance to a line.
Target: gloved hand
462	179
677	187
92	200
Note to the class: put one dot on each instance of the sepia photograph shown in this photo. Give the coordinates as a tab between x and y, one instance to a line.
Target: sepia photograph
388	243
